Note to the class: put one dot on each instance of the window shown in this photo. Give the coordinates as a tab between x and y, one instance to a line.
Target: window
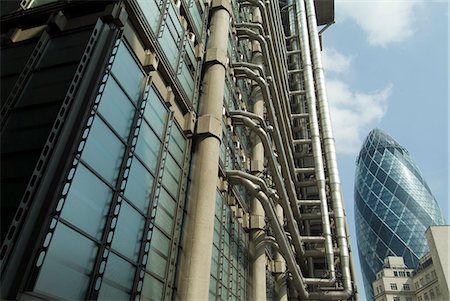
393	286
425	297
416	284
432	294
406	287
408	274
396	298
402	274
428	278
433	275
378	290
395	273
438	291
422	282
409	298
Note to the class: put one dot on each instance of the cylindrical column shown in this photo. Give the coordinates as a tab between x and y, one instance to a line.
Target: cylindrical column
258	260
196	265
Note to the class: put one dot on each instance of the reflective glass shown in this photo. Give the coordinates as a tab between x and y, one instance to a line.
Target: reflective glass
155	112
148	146
128	234
167	202
177	144
139	186
152	288
404	206
150	8
70	259
117	280
116	108
171	176
160	241
128	73
87	202
103	150
156	263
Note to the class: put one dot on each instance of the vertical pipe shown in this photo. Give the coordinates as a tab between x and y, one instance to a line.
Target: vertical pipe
311	100
257	234
196	266
280	277
328	145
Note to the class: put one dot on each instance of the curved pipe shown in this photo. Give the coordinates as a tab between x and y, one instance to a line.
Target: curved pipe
285	249
283	241
244	72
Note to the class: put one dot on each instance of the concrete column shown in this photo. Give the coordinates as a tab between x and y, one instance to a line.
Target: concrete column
280	265
258	259
196	262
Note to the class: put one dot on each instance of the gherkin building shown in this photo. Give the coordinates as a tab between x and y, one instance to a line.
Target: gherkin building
393	206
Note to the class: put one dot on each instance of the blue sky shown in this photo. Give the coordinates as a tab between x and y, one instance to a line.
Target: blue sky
386	65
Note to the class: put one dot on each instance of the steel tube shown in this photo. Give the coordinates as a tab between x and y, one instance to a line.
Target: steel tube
329	149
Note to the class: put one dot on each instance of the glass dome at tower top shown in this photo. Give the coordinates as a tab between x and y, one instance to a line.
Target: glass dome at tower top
393	206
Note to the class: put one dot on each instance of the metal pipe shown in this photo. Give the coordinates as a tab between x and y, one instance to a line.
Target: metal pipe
284	200
314	134
329	148
241	178
236	177
195	270
280	145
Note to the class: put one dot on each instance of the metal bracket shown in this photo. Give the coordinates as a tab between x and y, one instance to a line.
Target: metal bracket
215	55
151	61
208	125
221	4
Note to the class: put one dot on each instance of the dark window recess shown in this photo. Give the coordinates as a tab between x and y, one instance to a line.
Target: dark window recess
29	121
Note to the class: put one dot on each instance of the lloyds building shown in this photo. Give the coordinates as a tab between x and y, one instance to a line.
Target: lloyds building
169	149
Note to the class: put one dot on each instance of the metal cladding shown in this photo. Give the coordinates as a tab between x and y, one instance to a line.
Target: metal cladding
394	206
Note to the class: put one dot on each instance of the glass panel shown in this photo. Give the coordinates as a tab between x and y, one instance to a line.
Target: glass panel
118	279
152	288
128	73
139	186
148	146
155	112
156	263
150	8
177	144
103	150
186	79
70	259
160	241
167	202
87	202
109	292
164	221
171	175
128	234
116	108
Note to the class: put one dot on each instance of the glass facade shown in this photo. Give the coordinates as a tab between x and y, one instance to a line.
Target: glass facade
393	206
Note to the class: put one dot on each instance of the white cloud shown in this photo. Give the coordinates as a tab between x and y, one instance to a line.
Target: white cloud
384	21
335	62
353	112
